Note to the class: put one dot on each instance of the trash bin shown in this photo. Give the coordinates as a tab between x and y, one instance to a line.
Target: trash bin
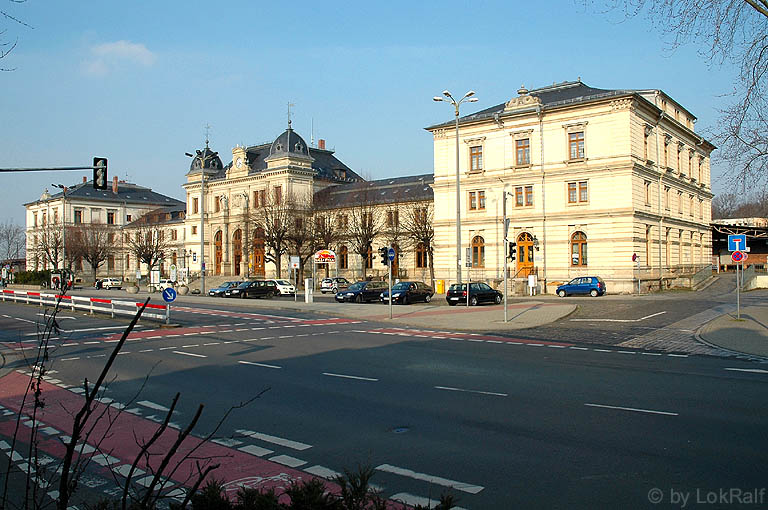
440	284
309	290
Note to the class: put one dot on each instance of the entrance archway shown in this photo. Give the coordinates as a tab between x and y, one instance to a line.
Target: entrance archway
258	252
237	250
217	252
524	254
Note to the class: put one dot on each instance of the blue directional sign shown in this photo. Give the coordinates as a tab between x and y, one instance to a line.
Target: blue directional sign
169	295
391	254
737	242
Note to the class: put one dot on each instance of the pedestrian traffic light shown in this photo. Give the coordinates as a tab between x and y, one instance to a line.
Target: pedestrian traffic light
100	173
384	255
512	250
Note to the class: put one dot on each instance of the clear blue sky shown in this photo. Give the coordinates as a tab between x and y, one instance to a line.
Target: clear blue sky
137	81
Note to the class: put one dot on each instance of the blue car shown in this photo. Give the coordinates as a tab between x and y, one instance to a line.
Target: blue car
592	285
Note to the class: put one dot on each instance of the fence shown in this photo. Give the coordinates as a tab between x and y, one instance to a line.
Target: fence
90	304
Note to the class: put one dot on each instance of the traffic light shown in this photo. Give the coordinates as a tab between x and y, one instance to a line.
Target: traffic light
512	254
384	256
100	173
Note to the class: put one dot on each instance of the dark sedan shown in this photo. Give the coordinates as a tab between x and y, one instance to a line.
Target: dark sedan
361	292
221	289
478	293
408	292
255	288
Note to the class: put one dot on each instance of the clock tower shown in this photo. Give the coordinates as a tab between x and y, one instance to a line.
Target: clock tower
239	163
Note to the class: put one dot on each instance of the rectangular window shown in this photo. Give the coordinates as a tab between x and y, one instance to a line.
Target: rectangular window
647	192
576	145
476	158
110	217
578	192
646	134
701	164
194	230
255	199
216	204
680	202
174	235
690	164
523	152
666	197
195	205
481	200
572	193
278	195
128	218
55	215
583	195
691	211
529	195
34	219
111	237
78	216
126	238
472	201
519	196
393	219
666	153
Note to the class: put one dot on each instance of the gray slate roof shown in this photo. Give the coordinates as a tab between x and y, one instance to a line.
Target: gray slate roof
127	193
383	191
551	96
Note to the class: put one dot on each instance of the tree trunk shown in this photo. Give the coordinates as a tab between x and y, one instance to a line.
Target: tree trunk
431	256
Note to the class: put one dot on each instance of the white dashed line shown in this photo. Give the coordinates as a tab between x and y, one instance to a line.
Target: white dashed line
256	450
258	364
190	354
287	460
448	388
288	443
752	370
350	377
649	411
445	482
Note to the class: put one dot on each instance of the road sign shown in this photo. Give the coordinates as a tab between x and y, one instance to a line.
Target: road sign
295	262
169	295
737	242
738	256
174	274
391	254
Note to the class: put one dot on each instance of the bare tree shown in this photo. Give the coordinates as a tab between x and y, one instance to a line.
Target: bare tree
303	239
6	47
148	243
418	225
11	240
734	31
48	243
365	224
93	243
273	218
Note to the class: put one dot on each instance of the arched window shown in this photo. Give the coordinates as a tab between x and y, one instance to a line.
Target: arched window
343	257
421	255
579	249
478	252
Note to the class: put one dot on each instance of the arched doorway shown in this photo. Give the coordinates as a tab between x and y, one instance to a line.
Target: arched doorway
524	254
237	250
217	252
258	252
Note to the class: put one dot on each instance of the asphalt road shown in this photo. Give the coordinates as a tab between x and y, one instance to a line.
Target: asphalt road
499	424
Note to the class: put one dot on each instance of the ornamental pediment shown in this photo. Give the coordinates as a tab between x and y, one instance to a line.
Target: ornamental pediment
517	103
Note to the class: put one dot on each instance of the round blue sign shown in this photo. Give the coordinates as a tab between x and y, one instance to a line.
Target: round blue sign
169	295
391	254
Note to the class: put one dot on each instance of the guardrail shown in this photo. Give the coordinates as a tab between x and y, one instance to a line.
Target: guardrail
90	304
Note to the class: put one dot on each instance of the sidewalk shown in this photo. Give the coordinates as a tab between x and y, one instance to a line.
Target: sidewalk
749	334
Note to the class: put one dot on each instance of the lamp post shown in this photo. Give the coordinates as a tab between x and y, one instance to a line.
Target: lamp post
203	157
448	98
63	226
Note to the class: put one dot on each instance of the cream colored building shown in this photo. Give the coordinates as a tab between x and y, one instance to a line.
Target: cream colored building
593	178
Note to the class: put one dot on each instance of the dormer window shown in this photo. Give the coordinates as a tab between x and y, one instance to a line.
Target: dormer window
299	147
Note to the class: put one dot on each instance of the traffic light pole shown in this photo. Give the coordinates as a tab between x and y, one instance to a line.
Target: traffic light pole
389	264
504	209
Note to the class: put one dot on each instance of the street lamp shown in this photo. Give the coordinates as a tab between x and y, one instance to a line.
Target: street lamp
63	227
204	157
448	98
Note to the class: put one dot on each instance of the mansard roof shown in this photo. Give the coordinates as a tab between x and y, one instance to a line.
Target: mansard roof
412	188
127	193
162	216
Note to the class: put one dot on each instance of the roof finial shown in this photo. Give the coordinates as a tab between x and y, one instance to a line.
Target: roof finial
207	132
289	113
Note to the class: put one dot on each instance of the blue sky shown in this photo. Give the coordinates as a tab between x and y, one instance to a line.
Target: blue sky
137	82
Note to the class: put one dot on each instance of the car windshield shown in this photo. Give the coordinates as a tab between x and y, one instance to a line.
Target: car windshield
401	286
283	282
357	286
243	285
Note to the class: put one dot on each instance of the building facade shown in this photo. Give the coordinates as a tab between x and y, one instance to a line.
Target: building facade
614	183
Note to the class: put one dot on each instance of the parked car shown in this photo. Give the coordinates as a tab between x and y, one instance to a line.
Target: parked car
219	291
361	292
111	283
163	284
478	293
284	287
592	285
408	292
334	284
253	288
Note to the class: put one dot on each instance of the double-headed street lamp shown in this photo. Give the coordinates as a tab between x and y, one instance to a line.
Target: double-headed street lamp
448	98
63	226
204	157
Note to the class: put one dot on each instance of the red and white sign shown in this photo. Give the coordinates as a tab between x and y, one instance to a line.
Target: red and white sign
324	257
738	256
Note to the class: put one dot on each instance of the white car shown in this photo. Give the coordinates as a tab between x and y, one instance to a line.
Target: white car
111	283
164	284
285	287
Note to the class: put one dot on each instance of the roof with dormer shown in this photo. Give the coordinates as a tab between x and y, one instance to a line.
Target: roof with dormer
412	188
206	160
289	143
127	193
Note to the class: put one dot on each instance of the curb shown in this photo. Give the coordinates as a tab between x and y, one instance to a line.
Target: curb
738	354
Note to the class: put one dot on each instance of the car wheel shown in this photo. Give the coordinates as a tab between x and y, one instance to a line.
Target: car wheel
473	301
561	293
243	296
593	293
405	299
497	300
359	298
277	292
428	298
335	290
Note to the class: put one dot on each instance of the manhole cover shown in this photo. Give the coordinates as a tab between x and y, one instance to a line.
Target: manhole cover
400	430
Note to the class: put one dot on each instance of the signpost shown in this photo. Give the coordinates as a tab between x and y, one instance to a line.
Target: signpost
169	296
737	243
390	258
295	266
174	272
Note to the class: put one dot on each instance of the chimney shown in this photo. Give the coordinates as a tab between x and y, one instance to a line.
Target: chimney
321	144
85	179
114	185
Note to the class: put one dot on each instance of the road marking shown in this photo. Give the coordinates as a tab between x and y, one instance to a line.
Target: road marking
752	370
70	359
323	472
619	320
255	450
258	364
190	354
90	343
678	355
449	388
147	350
627	352
578	348
190	345
295	445
445	482
225	441
650	354
167	348
211	343
602	350
650	411
350	376
152	405
287	460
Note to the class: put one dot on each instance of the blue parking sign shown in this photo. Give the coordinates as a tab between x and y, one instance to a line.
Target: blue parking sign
737	242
